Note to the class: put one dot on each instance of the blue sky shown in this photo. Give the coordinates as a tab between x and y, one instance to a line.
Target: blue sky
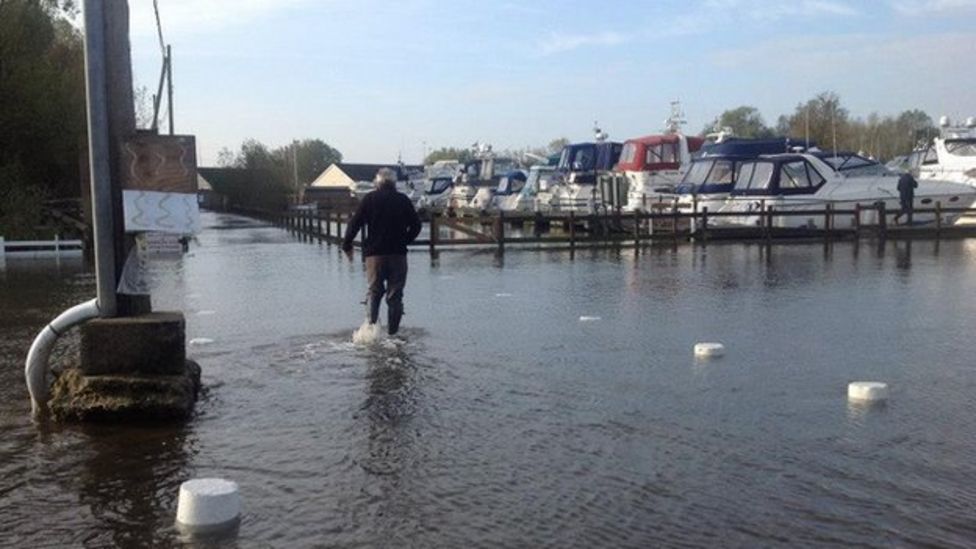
376	78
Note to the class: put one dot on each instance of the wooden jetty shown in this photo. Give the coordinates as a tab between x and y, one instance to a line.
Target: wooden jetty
615	228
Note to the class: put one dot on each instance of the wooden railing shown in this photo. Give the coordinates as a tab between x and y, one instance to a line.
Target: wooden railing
616	228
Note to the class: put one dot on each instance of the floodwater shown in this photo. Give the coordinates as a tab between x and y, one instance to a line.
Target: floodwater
502	419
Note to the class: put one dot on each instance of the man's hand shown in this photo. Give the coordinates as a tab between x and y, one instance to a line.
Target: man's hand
348	252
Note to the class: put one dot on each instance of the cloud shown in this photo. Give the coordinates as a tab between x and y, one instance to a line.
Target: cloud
763	10
930	7
558	42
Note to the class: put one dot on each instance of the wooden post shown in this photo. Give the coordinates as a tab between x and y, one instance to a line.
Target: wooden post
882	219
828	220
500	231
644	201
328	225
572	231
704	224
318	225
857	220
938	219
674	221
432	241
768	222
637	234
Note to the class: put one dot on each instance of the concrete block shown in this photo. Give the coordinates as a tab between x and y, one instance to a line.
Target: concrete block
153	343
124	398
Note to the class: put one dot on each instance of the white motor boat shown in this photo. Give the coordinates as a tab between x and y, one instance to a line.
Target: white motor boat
949	157
711	176
488	200
656	164
797	182
438	182
574	188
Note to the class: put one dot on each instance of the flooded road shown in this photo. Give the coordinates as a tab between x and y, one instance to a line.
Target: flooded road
502	419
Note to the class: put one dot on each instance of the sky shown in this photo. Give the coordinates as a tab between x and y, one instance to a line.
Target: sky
378	79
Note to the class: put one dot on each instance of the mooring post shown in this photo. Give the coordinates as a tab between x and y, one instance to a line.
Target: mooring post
572	231
704	224
644	201
318	225
882	219
768	223
637	231
500	231
432	241
938	219
674	221
857	220
828	220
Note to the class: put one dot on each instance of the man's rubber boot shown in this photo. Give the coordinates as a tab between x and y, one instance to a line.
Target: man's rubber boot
374	310
393	315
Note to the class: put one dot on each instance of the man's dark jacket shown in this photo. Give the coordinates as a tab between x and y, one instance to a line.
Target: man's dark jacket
391	219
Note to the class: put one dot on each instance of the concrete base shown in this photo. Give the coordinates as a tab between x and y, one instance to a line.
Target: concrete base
125	397
153	343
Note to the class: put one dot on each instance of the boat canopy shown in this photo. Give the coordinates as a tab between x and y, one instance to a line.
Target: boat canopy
751	148
585	157
511	183
715	170
788	174
437	185
849	163
961	147
655	152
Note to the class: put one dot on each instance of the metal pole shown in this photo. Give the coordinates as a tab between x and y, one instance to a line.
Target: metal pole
99	157
169	86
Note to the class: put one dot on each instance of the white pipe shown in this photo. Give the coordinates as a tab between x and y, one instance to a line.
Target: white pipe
37	358
36	368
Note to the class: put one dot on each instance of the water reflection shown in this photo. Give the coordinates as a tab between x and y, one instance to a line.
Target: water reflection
391	402
131	477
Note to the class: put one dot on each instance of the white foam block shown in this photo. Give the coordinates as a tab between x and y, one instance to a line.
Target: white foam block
867	390
208	502
709	349
589	318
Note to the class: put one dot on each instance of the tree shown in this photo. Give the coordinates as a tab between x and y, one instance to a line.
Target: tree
307	157
556	145
42	108
449	153
745	121
822	120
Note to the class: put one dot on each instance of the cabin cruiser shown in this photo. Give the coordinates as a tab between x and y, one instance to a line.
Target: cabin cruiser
491	200
409	182
482	173
656	163
712	175
438	183
949	157
574	188
796	182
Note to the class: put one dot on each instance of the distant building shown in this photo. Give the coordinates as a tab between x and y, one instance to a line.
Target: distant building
337	186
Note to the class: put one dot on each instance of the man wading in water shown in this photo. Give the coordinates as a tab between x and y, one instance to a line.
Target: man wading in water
391	223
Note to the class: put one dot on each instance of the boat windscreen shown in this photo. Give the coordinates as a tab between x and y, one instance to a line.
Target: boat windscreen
437	185
961	147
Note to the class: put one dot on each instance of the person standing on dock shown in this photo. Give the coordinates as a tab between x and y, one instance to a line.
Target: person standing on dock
391	223
906	195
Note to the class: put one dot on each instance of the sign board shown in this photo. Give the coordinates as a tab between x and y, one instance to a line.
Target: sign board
174	213
162	163
162	245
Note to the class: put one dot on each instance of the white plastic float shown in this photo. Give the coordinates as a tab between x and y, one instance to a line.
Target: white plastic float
870	391
208	505
709	349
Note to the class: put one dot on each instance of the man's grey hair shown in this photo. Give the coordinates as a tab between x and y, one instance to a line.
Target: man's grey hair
385	175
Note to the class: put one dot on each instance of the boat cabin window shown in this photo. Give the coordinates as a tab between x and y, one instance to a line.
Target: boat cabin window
930	156
799	175
961	147
721	172
754	176
664	153
437	186
629	152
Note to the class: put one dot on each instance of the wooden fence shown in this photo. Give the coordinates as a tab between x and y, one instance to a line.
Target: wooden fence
617	228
